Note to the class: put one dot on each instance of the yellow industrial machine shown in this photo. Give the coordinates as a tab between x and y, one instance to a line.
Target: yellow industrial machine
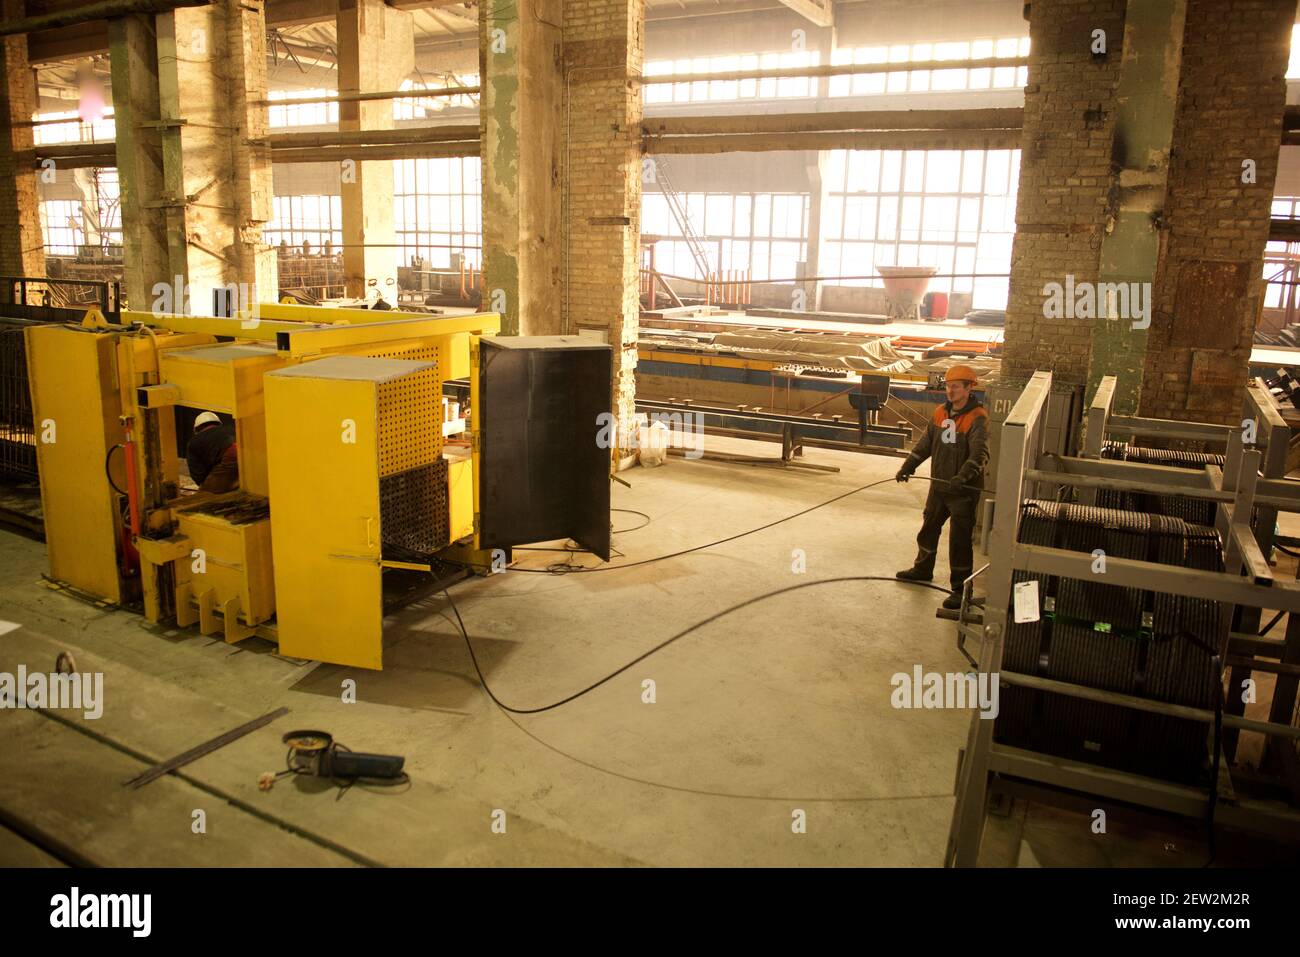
345	471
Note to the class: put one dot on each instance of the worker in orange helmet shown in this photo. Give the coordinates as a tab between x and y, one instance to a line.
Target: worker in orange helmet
956	442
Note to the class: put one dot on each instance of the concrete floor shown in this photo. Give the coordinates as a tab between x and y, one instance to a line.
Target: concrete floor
782	706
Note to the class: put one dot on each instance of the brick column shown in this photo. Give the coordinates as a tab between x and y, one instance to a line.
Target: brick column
604	44
1208	285
1065	178
21	246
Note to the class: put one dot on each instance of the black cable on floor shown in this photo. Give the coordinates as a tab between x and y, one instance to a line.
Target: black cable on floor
663	644
567	569
634	528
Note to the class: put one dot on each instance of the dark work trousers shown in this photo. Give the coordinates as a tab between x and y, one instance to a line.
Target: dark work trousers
939	507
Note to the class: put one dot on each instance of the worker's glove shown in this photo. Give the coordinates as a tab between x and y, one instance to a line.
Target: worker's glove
957	483
905	472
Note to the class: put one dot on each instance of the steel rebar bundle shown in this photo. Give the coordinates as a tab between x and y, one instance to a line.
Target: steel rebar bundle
1104	633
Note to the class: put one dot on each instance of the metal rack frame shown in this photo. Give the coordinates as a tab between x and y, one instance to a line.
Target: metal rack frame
1024	470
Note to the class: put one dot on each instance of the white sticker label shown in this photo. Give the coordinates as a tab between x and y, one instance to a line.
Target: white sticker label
1026	594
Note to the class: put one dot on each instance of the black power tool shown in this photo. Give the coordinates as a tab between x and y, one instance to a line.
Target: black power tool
317	753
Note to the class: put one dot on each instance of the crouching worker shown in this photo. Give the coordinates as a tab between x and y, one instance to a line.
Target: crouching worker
212	455
956	443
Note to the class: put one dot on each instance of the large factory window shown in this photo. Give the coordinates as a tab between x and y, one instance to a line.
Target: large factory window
315	219
1282	263
438	210
301	114
763	232
62	222
74	130
931	81
952	209
704	90
419	108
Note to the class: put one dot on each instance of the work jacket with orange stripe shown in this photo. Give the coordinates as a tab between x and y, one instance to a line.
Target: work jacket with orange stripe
957	445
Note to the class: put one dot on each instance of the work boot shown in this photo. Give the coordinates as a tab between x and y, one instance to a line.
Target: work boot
914	574
953	601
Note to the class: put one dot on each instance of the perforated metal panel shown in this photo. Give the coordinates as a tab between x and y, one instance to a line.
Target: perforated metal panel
413	511
410	422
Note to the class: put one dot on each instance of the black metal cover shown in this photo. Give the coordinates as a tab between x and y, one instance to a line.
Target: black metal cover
544	409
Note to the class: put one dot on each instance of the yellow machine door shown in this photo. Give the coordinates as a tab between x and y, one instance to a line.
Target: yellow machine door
75	410
322	459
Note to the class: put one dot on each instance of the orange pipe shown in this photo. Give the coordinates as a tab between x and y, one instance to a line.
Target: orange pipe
462	279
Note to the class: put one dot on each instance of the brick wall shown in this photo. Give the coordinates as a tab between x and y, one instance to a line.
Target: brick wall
1065	176
21	244
604	44
1208	287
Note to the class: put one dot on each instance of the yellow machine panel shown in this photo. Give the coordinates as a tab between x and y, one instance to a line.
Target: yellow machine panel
342	473
460	494
410	422
75	410
324	453
225	377
236	556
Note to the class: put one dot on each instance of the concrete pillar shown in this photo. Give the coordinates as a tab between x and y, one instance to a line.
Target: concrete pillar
815	165
522	125
22	250
187	90
1145	100
604	44
376	52
148	256
1227	133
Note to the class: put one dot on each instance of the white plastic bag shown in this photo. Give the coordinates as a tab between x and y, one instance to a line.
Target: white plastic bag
654	444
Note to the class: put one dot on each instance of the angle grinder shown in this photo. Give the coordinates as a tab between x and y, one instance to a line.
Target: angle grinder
317	753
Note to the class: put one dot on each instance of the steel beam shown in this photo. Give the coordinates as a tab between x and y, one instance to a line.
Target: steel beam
104	10
835	140
317	340
1008	118
832	69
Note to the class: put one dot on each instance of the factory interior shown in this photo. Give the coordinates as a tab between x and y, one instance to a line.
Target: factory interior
650	433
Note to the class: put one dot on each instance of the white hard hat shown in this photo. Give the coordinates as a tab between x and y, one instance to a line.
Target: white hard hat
204	418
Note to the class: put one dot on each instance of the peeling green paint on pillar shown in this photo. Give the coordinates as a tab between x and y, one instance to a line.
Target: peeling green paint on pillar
500	149
1146	99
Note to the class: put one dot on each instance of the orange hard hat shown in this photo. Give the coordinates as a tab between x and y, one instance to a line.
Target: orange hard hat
961	373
